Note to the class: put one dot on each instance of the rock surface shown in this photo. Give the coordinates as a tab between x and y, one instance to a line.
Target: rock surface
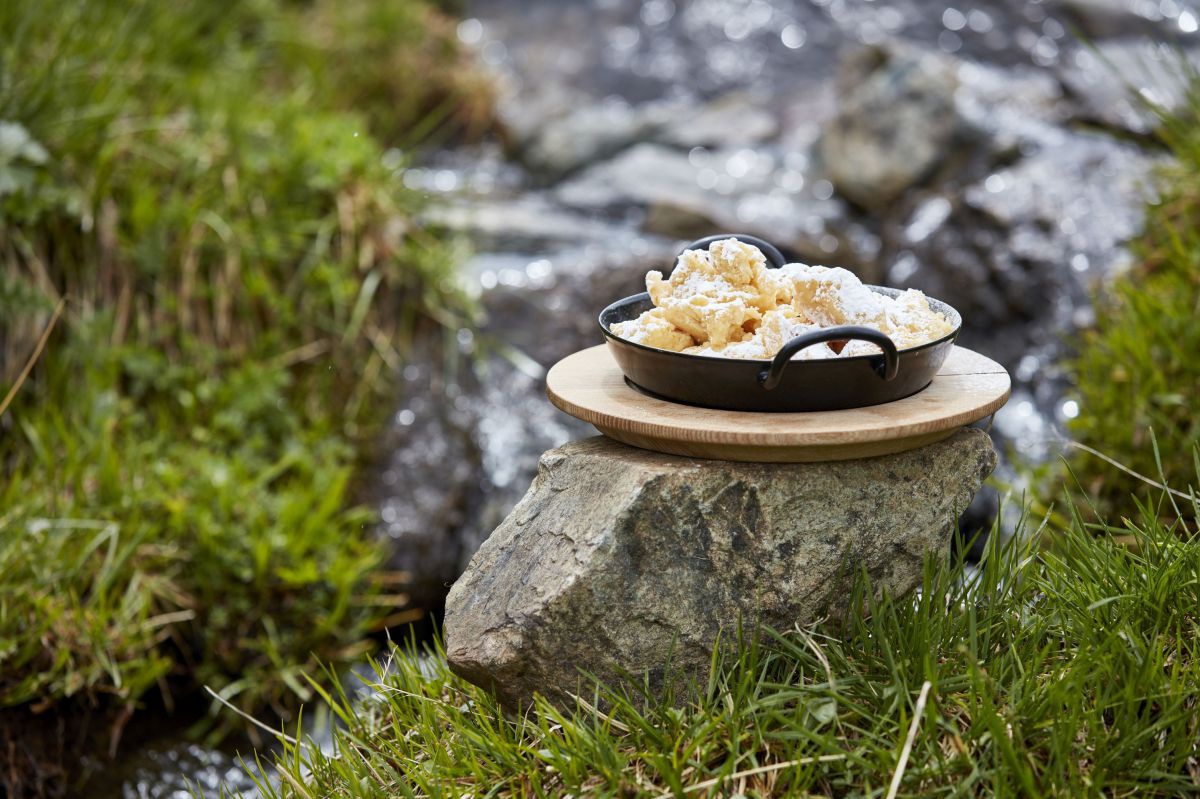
620	559
590	132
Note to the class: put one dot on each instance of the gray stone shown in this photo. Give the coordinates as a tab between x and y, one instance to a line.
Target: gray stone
1005	107
1118	84
1017	251
428	491
619	559
646	174
896	121
1092	187
506	223
736	119
742	189
589	132
1103	19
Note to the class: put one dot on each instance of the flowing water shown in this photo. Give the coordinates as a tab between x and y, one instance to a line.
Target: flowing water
1004	164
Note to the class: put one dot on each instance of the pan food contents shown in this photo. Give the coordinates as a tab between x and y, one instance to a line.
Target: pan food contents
725	302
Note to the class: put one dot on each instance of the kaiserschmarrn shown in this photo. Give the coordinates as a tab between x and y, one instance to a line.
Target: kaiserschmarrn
725	302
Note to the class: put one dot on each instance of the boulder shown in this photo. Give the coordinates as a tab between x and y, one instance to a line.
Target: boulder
736	119
1017	251
1104	19
619	560
587	133
896	122
528	221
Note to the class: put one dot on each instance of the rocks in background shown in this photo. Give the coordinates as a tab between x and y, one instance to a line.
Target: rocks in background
736	119
895	123
588	133
1088	185
643	175
619	560
1104	19
756	191
526	221
429	486
1017	250
1006	107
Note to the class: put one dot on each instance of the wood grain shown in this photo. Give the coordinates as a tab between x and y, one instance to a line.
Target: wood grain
590	386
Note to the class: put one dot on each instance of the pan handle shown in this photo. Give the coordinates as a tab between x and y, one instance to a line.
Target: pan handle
886	366
770	251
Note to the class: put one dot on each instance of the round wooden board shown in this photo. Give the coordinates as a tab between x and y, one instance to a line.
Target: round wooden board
590	386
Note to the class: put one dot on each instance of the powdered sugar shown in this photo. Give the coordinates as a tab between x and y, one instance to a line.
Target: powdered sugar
726	303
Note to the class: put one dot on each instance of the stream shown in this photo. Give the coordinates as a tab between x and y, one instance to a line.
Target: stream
980	152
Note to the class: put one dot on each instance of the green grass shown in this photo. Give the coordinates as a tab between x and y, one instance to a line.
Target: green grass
1137	371
215	188
1064	671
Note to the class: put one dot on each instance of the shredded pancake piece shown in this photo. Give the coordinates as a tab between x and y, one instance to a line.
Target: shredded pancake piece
725	302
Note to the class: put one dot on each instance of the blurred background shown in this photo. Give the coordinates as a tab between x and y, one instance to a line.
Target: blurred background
280	281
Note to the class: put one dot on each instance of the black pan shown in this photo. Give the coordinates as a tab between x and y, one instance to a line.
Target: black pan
780	385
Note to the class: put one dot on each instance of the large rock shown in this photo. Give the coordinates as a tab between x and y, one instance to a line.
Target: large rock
736	119
527	222
587	133
620	559
896	122
1103	19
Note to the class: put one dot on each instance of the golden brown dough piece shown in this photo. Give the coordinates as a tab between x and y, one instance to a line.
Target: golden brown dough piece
829	297
778	328
717	296
653	330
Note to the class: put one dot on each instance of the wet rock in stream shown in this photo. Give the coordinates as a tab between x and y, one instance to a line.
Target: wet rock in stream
475	423
1160	72
895	124
687	195
1107	19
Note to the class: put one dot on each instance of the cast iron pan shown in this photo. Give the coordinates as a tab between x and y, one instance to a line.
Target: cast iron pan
781	385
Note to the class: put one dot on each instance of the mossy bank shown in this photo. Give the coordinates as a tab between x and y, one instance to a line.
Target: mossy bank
213	192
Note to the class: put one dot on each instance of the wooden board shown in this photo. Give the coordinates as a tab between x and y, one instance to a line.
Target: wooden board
590	386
